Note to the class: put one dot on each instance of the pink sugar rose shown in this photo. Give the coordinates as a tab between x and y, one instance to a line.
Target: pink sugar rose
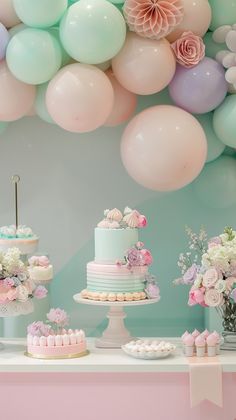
9	282
146	257
58	316
142	221
189	49
41	261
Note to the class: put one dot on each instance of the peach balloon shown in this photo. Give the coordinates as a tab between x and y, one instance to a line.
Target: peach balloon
124	103
8	15
197	18
80	98
144	66
164	148
16	98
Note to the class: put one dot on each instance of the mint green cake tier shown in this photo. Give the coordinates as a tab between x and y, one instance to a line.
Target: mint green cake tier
111	245
114	278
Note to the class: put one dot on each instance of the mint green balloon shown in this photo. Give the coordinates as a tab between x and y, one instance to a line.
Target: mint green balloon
223	13
216	185
34	56
40	13
224	121
212	48
66	59
215	147
18	28
3	126
40	104
92	31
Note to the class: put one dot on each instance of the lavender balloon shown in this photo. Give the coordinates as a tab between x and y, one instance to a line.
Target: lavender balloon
4	39
199	89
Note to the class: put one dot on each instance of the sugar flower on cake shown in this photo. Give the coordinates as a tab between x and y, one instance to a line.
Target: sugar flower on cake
115	219
153	19
152	290
209	267
40	269
189	49
38	328
58	317
138	256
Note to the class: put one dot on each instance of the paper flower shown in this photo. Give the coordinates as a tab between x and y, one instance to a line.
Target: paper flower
189	49
153	19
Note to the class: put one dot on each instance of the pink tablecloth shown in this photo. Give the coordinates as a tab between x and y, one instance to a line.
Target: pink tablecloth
112	396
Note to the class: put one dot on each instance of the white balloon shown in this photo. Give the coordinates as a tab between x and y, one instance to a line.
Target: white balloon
221	55
229	60
230	40
230	75
220	33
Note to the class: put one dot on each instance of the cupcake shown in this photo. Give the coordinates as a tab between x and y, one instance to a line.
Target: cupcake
200	344
188	345
211	345
40	269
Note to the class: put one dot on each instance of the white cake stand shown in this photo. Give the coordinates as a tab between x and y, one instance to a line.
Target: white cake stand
116	333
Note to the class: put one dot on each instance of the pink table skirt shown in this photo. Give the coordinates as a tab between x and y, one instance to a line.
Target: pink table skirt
108	396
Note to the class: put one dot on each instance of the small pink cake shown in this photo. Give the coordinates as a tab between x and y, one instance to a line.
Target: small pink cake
53	341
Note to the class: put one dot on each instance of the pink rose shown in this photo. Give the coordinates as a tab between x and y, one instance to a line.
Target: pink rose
142	221
42	261
210	277
213	298
189	49
9	282
196	296
146	257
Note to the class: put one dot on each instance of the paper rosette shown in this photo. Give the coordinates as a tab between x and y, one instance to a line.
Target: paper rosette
153	19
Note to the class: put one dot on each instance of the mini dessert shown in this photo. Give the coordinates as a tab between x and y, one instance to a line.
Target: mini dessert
15	283
120	269
52	340
211	345
148	349
188	345
217	341
40	269
205	334
200	344
21	237
195	333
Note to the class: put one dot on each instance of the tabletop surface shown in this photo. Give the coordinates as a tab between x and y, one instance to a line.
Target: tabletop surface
12	359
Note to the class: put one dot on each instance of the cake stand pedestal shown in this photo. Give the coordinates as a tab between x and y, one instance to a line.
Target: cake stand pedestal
116	333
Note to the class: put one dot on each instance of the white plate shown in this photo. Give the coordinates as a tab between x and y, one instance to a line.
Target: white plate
139	353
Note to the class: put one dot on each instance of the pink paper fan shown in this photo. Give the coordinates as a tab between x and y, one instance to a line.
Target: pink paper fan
153	19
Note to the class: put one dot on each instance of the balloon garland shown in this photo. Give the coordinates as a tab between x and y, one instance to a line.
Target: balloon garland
80	64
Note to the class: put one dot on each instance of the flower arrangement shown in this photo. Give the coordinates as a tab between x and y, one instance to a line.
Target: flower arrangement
57	319
209	267
15	283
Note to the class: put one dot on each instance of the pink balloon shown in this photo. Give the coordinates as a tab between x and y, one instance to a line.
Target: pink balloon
197	18
144	66
8	15
80	98
164	148
124	103
16	97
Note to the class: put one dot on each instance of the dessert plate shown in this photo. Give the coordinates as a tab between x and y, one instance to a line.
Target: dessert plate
149	349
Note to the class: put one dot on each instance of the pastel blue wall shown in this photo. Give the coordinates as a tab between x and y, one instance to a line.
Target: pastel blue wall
67	181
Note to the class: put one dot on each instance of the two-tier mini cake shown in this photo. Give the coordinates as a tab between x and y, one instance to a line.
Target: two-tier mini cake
21	237
40	269
53	341
120	269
